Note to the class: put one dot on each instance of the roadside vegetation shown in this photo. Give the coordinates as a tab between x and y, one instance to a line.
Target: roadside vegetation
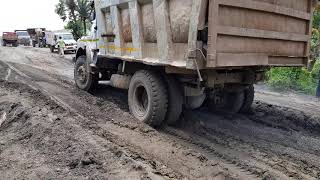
77	14
303	79
298	79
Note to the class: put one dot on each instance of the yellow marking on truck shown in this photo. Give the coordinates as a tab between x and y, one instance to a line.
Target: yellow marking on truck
89	40
129	49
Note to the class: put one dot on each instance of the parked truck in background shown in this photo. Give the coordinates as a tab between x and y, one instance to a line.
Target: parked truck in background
173	55
10	38
23	37
52	38
37	36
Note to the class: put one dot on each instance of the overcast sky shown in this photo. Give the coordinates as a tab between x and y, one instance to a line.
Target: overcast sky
22	14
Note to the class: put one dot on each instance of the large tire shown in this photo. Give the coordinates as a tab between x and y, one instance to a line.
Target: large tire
147	98
231	103
83	76
175	101
248	99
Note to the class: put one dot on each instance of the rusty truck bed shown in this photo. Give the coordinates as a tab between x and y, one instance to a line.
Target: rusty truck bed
237	32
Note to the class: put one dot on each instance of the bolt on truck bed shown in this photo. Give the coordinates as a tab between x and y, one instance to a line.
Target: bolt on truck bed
206	34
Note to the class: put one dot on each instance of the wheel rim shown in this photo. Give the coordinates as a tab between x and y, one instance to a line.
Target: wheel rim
141	101
82	73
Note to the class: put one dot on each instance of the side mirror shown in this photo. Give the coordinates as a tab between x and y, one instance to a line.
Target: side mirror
93	12
93	15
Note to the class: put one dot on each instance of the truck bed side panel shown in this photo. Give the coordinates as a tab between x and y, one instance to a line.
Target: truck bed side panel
239	32
279	30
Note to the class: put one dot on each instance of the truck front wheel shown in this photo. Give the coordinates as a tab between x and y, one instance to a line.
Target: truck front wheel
83	76
148	98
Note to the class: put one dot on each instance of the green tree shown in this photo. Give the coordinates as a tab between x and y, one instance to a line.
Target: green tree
61	10
76	13
76	28
72	6
315	39
84	9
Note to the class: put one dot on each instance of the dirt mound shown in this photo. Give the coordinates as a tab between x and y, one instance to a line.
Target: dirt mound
285	118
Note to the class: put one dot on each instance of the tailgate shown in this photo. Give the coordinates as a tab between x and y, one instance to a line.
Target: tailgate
11	36
259	32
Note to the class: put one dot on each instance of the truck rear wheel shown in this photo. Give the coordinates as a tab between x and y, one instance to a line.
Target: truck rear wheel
175	101
227	102
147	98
248	99
83	76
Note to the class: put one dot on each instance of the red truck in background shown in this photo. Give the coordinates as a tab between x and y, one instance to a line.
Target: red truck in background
10	38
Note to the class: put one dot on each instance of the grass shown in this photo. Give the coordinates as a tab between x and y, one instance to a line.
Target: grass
293	78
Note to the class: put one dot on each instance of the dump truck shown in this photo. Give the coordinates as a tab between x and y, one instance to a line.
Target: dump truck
10	38
173	55
37	36
23	37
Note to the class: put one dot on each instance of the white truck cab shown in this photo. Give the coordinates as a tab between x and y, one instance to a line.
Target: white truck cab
89	43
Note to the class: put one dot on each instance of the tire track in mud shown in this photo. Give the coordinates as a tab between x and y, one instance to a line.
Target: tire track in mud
211	152
272	154
235	159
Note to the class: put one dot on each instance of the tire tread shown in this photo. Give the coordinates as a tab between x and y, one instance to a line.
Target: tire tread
159	96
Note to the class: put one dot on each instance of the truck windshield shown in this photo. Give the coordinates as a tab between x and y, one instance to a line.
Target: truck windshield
22	33
67	36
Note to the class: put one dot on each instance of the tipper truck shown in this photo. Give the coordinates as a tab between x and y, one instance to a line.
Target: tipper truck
183	54
37	36
10	38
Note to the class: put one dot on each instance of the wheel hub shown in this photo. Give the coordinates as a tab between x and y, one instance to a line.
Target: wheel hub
82	73
142	100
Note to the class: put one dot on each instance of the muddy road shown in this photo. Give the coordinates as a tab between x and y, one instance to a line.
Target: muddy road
51	130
